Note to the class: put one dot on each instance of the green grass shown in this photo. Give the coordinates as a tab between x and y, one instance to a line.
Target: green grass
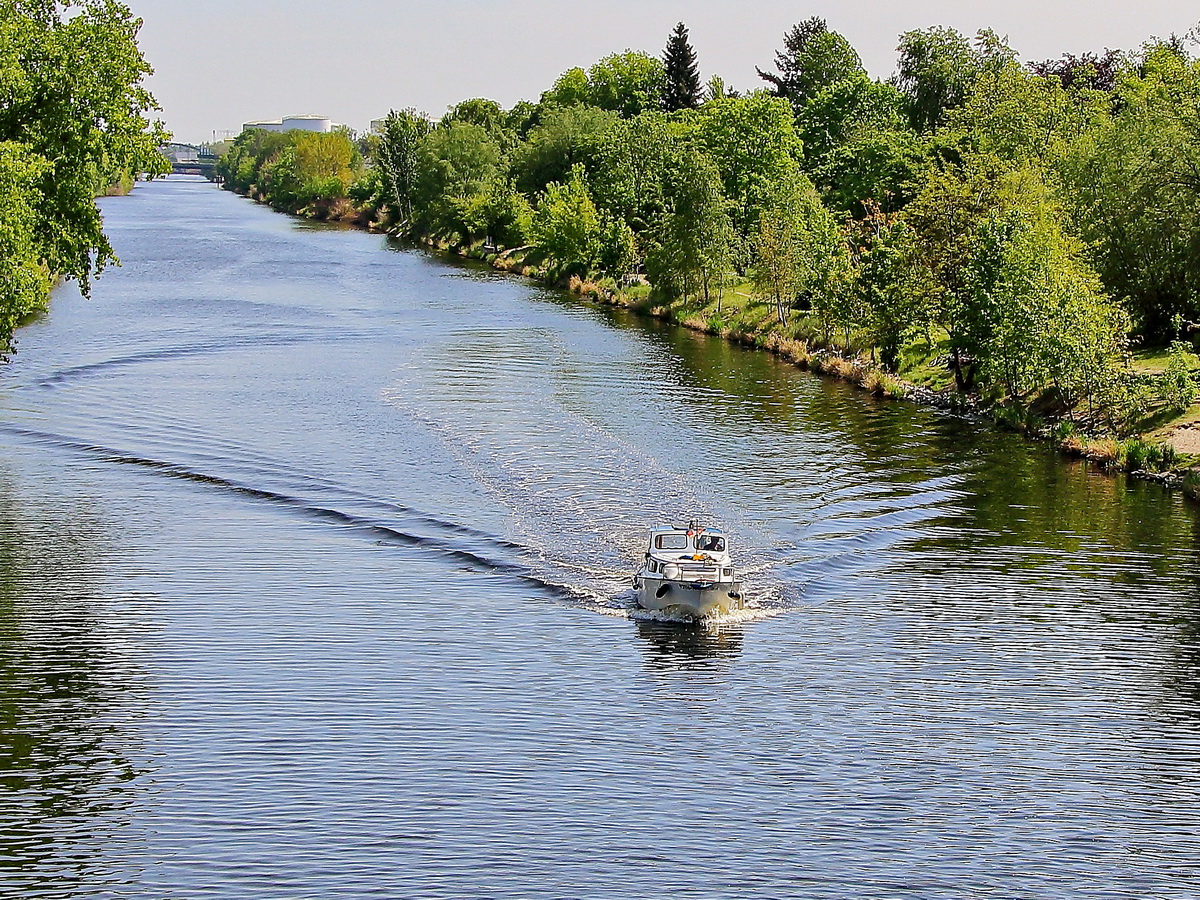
1150	362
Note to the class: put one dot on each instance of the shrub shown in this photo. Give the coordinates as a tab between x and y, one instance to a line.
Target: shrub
566	225
1191	483
1010	417
874	381
1134	454
1177	386
1063	431
1170	457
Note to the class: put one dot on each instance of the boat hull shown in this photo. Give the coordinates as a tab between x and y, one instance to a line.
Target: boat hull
698	599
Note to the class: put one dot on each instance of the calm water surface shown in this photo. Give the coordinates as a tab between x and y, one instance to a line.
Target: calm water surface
314	582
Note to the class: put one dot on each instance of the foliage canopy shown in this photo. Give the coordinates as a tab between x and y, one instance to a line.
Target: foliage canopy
72	121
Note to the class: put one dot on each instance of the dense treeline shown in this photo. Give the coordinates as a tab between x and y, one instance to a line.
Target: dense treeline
1013	226
72	122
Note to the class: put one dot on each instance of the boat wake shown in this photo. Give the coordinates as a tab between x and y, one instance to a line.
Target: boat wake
580	494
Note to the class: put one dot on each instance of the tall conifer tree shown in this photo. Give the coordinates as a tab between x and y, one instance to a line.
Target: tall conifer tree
682	73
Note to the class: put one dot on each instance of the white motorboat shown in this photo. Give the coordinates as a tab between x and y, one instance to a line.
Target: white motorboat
688	571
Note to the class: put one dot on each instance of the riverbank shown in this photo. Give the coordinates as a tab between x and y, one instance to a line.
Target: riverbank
737	316
1168	456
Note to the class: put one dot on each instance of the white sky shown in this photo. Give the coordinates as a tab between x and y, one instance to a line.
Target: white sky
220	63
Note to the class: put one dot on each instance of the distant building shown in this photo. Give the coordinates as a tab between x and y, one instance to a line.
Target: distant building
307	123
293	123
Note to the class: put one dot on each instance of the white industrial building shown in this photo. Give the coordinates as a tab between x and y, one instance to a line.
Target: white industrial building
293	123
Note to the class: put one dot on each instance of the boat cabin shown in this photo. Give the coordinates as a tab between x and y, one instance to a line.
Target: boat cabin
676	543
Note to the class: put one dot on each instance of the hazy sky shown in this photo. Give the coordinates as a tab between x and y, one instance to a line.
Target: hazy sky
220	63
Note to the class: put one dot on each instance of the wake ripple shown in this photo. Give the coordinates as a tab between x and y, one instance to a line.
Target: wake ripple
468	546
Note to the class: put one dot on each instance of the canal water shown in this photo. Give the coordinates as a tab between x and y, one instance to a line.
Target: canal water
314	583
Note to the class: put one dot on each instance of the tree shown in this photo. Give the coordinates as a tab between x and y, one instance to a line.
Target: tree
893	291
330	155
799	253
946	218
567	136
777	269
1098	73
566	225
522	118
752	140
24	278
858	146
691	249
873	167
813	58
1021	116
851	107
278	181
251	151
1177	386
488	115
717	89
506	214
626	83
310	169
570	89
1020	304
456	164
1133	185
681	72
630	171
73	114
396	159
936	71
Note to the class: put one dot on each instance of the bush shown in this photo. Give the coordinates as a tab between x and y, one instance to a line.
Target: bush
1134	454
1010	417
1064	430
1177	386
1138	454
1191	483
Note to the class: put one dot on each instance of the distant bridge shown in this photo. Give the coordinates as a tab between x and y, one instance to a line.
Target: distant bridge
188	159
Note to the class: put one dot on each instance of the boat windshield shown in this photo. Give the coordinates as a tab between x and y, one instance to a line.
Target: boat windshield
710	543
670	542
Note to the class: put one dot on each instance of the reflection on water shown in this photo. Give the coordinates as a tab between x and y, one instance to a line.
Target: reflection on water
66	689
314	582
675	646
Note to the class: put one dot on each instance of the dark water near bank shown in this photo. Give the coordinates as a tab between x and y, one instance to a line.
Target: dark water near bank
314	560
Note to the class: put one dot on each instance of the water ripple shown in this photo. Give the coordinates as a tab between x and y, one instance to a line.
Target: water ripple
314	575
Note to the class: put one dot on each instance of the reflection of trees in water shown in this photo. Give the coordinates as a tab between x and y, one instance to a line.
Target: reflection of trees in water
1024	491
1029	495
1020	508
1182	686
64	761
756	384
672	646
